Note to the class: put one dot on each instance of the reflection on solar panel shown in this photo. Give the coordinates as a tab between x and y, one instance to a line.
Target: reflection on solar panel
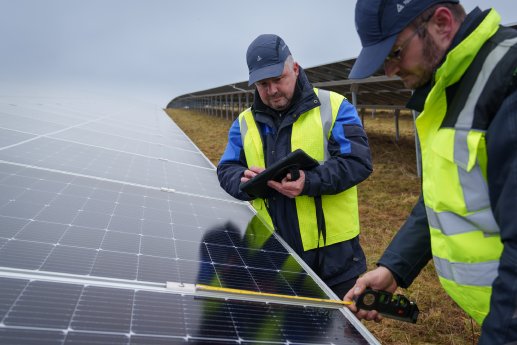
102	204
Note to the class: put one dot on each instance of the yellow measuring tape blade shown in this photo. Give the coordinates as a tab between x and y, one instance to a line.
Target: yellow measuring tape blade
266	294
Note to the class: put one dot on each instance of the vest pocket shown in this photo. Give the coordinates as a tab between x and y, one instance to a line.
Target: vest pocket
459	146
456	188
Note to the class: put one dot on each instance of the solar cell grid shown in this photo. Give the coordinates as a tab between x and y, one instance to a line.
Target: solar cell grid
271	282
95	197
99	228
46	114
91	313
129	145
174	138
28	125
115	165
9	137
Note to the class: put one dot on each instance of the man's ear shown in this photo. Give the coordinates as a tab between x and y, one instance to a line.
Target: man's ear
443	27
296	68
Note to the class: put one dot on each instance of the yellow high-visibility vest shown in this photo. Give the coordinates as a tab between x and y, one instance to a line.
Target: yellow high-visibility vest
310	133
465	238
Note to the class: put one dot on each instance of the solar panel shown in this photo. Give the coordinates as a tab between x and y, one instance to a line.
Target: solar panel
102	204
70	313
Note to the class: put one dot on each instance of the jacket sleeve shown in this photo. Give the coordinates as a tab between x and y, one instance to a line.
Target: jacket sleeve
410	249
232	164
500	325
350	160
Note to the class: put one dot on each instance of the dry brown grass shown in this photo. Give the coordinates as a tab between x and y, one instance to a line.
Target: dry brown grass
386	199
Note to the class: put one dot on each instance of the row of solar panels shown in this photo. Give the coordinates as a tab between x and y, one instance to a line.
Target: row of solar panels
102	203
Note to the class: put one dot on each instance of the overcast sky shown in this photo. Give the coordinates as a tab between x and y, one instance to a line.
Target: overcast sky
166	48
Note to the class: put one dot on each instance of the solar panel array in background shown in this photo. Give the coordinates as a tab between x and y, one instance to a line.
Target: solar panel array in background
102	203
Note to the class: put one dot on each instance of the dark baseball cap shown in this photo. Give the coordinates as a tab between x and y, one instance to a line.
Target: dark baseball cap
378	22
266	57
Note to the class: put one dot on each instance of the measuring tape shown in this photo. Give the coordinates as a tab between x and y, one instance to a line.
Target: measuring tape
393	306
331	302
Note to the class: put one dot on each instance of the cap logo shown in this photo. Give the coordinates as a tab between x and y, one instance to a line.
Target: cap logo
259	58
400	7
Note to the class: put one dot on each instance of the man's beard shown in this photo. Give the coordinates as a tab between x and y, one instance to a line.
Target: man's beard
432	56
282	106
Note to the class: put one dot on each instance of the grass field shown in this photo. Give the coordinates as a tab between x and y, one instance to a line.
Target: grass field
385	200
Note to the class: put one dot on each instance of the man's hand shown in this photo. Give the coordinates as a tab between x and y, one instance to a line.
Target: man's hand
379	279
287	187
251	173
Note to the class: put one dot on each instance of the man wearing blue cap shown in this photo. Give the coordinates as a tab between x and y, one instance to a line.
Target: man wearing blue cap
464	72
317	213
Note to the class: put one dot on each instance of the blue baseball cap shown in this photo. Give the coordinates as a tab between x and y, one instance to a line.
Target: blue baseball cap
266	57
378	22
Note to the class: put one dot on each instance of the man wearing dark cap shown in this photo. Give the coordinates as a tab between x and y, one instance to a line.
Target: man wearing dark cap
464	72
316	213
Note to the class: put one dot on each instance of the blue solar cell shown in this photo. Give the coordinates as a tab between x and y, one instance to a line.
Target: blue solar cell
43	305
72	260
16	336
159	269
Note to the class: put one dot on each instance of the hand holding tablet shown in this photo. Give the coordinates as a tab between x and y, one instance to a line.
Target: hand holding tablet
292	163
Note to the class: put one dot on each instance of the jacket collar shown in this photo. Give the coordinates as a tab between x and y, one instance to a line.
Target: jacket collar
471	22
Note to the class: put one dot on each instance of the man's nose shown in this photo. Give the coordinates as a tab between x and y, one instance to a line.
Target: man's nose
391	67
272	88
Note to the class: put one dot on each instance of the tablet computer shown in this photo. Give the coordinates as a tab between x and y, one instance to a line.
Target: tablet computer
296	160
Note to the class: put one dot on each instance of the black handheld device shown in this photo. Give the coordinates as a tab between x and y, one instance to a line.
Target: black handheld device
393	306
292	163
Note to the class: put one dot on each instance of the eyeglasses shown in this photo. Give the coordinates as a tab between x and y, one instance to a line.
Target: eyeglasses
397	53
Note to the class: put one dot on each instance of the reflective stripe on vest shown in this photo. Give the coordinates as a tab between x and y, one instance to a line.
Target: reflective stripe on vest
254	157
451	223
478	274
310	132
326	119
464	234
